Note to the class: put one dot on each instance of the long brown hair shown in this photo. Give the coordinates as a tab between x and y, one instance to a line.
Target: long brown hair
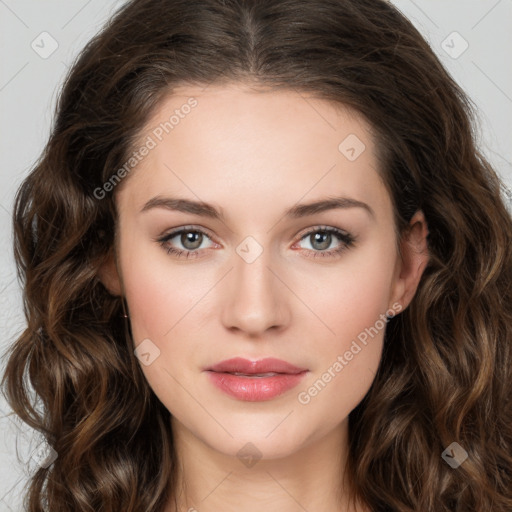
445	374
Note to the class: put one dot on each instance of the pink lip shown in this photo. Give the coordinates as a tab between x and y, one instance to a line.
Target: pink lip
251	387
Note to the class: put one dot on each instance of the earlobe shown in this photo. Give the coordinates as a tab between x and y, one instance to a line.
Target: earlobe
414	259
109	275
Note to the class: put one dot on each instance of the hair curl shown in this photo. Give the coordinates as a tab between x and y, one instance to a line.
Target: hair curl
445	373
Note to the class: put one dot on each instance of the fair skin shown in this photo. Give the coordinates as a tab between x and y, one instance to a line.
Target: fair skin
253	156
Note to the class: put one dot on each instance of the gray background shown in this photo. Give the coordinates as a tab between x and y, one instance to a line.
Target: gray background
30	77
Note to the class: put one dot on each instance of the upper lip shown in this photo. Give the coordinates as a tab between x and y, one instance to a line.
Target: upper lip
267	365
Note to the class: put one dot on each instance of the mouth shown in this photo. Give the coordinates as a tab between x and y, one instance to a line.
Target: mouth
268	365
260	375
255	381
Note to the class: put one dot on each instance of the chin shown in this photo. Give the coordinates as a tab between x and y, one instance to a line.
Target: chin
266	437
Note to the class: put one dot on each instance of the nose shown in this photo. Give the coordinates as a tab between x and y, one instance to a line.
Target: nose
256	297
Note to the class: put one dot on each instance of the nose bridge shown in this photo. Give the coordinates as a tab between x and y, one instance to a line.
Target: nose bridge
255	301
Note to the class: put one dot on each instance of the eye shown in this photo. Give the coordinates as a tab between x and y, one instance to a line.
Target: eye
190	238
321	238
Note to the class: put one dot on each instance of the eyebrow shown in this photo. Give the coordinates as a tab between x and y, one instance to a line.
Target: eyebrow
297	211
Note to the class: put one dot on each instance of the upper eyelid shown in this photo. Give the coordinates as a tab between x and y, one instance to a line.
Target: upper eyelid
173	232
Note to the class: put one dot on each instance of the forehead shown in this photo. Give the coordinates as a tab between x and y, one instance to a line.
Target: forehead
232	144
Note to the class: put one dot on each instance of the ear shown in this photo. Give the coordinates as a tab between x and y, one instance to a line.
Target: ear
109	275
415	256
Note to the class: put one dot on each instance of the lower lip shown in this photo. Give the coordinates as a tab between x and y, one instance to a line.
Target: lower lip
255	389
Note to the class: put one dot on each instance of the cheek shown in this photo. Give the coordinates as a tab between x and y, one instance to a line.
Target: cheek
353	305
163	302
165	295
355	295
160	292
170	303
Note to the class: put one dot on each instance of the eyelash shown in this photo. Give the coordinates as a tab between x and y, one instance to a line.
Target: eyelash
346	239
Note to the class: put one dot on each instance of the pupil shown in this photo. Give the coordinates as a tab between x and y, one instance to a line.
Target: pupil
191	237
327	239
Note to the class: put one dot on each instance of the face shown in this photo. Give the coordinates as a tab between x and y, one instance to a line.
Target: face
258	273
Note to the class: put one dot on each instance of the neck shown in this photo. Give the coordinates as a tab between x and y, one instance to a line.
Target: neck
308	479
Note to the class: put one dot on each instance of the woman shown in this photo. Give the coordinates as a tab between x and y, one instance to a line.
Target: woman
265	266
